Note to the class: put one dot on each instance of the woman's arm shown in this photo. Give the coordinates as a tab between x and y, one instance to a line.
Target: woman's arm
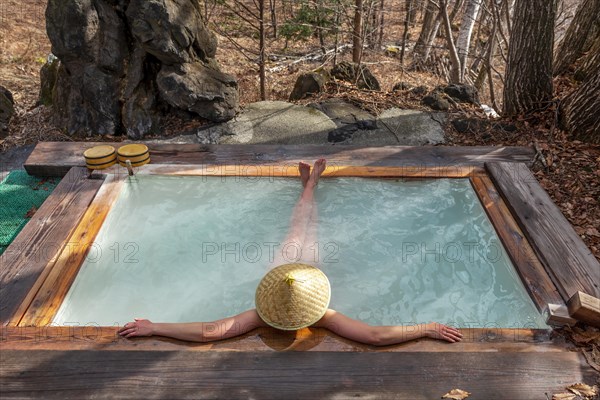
196	331
385	335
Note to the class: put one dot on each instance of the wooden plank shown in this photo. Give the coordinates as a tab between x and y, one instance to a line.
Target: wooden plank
280	375
55	286
539	285
291	170
42	239
54	158
568	261
268	339
585	308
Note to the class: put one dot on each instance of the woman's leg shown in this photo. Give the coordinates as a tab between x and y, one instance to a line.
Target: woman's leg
294	244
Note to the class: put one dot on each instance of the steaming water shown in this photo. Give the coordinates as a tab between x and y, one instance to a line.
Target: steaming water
194	248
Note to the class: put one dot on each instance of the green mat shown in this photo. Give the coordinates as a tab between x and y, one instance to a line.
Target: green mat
20	196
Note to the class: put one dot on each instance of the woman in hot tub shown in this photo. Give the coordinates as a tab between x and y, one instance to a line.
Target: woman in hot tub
294	296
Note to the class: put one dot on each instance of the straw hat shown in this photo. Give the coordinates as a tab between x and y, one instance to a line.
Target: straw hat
293	296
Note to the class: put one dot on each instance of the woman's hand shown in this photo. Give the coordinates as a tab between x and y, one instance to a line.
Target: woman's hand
140	327
439	331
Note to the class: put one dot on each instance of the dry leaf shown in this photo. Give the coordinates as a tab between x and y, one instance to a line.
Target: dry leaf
31	212
581	389
456	394
563	396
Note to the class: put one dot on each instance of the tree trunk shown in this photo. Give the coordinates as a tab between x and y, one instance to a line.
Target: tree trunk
575	42
357	32
589	64
381	22
273	10
409	7
579	110
464	35
262	58
528	83
455	68
420	49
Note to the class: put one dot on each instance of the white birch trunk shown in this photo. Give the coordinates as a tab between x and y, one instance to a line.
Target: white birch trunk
464	35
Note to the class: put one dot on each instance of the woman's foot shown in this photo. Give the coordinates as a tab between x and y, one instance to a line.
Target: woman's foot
318	169
304	169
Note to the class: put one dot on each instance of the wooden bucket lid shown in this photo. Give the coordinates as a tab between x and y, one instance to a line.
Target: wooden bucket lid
97	152
132	150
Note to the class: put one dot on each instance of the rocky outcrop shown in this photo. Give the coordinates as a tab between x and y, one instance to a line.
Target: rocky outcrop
463	93
309	83
436	101
125	64
6	110
358	74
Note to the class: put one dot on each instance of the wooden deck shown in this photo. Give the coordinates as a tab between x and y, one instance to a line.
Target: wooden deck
78	362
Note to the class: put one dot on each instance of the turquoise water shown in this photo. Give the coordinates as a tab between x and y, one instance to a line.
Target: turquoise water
396	251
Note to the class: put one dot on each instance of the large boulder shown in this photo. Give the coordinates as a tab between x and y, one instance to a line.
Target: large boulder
195	87
358	74
463	93
309	83
6	110
126	64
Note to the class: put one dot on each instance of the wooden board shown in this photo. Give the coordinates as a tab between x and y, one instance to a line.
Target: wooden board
332	170
586	308
286	375
539	285
267	339
55	286
568	261
55	158
42	239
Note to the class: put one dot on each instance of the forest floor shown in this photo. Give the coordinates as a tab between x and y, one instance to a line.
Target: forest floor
567	169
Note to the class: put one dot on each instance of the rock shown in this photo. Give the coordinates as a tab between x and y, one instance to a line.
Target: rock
309	83
194	87
48	77
463	93
419	90
436	101
403	127
126	64
342	133
402	86
7	110
172	31
351	72
476	125
274	122
342	113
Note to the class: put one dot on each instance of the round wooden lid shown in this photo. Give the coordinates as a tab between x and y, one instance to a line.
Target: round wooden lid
132	150
98	152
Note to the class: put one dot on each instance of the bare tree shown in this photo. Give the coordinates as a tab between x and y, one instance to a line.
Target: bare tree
357	32
528	84
579	110
455	67
577	38
464	35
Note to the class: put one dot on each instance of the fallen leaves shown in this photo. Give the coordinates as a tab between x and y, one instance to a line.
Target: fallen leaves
456	394
31	212
577	391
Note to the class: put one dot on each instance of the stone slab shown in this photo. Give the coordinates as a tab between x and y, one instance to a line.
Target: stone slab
273	122
403	127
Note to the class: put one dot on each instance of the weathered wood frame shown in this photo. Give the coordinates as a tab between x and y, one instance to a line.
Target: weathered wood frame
49	291
40	361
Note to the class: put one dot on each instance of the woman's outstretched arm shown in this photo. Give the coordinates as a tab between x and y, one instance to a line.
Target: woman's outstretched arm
196	331
385	335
